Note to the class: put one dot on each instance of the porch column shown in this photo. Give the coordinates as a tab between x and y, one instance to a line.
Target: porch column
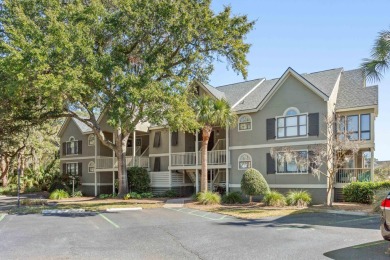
196	162
197	181
227	158
113	182
372	166
113	164
134	143
96	143
170	156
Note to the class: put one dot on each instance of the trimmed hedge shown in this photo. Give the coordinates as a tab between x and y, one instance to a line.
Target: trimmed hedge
253	183
363	192
139	180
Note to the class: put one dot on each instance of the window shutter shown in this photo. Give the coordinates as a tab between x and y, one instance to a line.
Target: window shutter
157	137
64	148
271	128
68	148
156	167
270	164
175	138
80	147
64	168
314	124
79	168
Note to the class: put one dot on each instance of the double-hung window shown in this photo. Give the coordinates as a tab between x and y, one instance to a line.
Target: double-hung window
365	129
295	162
354	127
292	124
72	146
72	168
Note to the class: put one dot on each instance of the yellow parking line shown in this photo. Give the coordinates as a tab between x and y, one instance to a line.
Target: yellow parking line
350	220
109	220
371	244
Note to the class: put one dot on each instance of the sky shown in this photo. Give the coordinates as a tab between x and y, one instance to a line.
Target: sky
312	36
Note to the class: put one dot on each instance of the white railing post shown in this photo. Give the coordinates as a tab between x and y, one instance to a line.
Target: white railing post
227	156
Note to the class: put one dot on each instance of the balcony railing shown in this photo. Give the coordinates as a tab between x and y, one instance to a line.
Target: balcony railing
352	175
112	163
216	157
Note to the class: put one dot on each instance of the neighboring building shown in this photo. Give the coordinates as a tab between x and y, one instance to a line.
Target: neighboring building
286	111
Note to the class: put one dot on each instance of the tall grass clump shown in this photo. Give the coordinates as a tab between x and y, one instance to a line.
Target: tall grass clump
232	198
275	199
298	198
58	195
208	198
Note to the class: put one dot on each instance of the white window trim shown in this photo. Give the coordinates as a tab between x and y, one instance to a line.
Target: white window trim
251	160
71	139
77	167
94	166
251	121
292	137
94	140
293	173
293	108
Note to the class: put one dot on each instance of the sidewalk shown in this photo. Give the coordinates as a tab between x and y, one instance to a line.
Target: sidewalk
175	203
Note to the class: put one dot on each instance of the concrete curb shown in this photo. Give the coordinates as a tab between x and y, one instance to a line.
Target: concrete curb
123	209
62	211
345	212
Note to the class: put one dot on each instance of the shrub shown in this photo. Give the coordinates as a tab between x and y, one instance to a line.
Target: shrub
275	199
208	198
77	194
139	180
232	198
379	196
170	194
147	195
58	195
363	192
33	202
298	198
253	183
105	196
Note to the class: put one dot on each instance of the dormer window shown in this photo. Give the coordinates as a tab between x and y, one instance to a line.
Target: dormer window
291	124
91	140
245	123
72	146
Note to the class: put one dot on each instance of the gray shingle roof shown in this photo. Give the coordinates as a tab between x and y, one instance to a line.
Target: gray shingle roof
353	92
83	127
324	80
234	92
218	94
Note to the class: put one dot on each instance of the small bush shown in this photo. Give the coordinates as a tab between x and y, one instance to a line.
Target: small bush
77	194
139	180
127	196
170	194
298	198
363	192
232	198
58	195
208	198
147	195
253	183
105	196
33	202
275	199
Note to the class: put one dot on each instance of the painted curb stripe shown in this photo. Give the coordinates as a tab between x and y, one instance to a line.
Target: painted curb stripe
122	209
109	220
371	244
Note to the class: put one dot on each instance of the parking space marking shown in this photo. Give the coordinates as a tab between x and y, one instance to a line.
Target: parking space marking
108	220
295	227
192	212
2	217
371	244
357	219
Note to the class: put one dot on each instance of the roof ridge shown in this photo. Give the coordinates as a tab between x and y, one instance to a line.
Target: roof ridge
322	71
238	82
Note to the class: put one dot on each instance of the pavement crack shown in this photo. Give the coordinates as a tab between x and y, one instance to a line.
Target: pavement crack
177	240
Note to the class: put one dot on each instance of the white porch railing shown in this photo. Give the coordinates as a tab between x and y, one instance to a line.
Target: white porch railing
348	175
216	157
112	163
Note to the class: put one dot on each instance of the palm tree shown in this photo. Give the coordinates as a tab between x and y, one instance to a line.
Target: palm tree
211	112
380	58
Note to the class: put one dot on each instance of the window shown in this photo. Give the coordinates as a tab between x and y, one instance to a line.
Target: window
72	168
245	123
72	146
353	127
365	127
138	142
244	161
294	162
292	124
91	140
91	167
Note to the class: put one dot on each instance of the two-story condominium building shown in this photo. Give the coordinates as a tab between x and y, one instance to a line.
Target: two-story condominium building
282	112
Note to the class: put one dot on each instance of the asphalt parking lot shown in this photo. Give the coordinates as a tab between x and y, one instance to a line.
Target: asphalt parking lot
189	234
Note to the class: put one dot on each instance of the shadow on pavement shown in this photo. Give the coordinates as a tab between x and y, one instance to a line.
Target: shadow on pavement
374	250
308	220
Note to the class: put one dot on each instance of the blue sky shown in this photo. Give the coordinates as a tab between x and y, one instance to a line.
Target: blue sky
311	36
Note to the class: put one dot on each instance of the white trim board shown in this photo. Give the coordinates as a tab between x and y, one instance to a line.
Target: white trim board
289	186
159	155
98	184
247	94
241	147
77	158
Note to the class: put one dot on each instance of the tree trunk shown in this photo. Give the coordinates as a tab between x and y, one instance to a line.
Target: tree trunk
206	132
329	191
121	142
4	167
250	198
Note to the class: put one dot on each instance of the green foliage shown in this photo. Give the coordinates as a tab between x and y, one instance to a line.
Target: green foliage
170	194
139	180
33	202
77	194
298	198
135	195
275	199
58	195
9	190
363	192
208	198
232	198
253	183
